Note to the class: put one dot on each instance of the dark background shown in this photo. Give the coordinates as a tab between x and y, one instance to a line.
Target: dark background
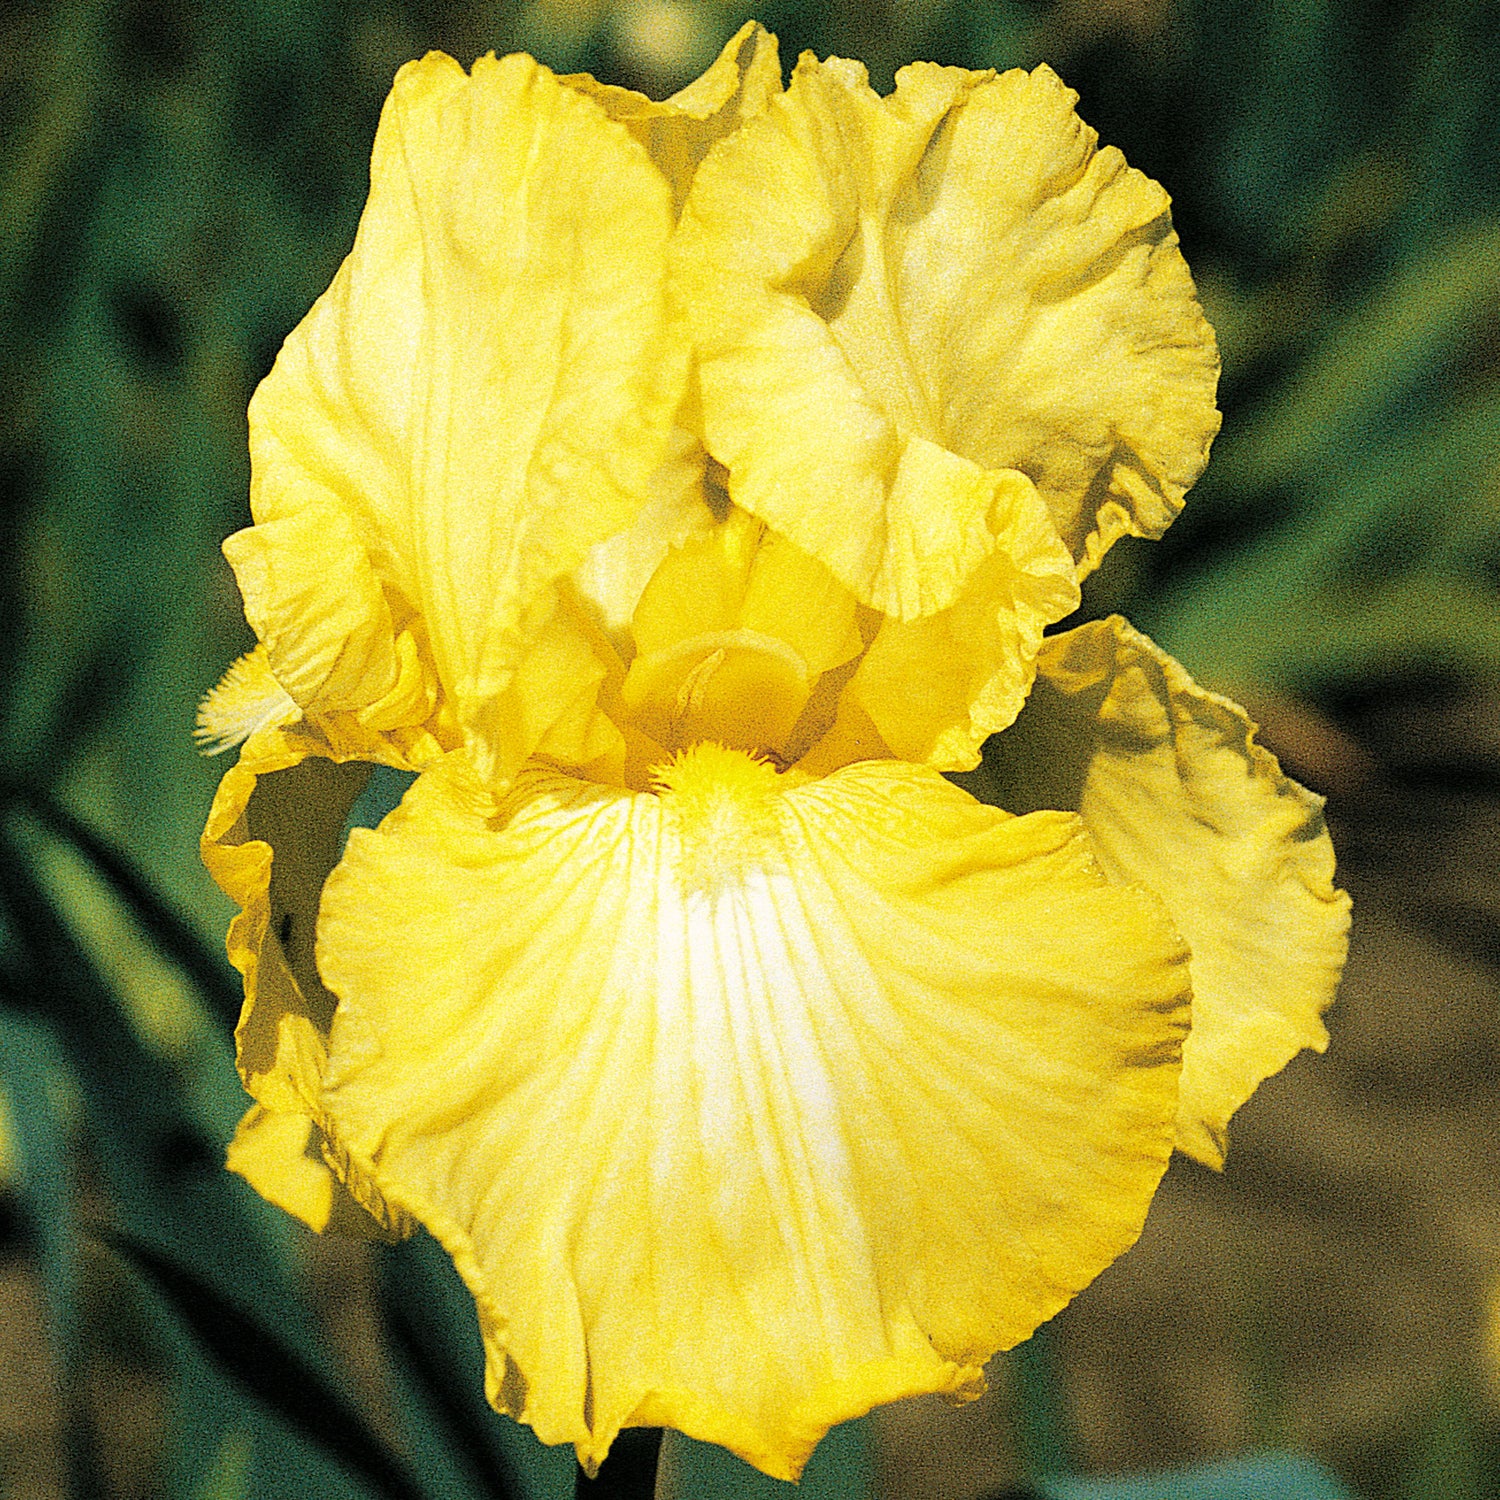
179	181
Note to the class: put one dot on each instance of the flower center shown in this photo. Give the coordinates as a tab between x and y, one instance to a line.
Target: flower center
722	803
736	688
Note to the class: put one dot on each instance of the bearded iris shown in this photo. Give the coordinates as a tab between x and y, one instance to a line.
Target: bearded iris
679	490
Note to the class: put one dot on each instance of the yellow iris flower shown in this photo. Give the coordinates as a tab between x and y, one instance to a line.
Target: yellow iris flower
679	488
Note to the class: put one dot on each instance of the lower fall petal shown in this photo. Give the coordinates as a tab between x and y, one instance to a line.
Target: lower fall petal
271	838
281	1157
1176	795
748	1105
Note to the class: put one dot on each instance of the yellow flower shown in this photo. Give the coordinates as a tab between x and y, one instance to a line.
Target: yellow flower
679	489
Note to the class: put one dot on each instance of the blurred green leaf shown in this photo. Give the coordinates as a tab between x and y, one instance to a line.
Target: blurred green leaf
40	1105
61	85
204	968
155	1107
275	1366
839	1469
1262	1476
229	1478
434	1331
221	1432
1044	1438
156	998
1450	1454
1383	462
37	1095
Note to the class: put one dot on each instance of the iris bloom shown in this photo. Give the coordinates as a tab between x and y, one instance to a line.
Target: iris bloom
679	490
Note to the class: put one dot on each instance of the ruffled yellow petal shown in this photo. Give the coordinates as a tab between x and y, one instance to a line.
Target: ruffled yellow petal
614	574
272	836
678	132
550	706
745	1107
281	1157
484	392
894	298
936	688
313	598
1176	795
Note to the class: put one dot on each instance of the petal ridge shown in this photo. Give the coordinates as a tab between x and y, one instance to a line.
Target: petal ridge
679	132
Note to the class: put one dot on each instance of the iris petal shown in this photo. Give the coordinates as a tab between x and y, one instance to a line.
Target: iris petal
281	1155
485	392
1177	796
330	648
750	1105
952	273
678	132
732	635
938	687
271	838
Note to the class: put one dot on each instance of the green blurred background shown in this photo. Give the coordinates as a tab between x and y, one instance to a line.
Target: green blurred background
178	182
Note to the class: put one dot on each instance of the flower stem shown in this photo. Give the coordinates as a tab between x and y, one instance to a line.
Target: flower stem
629	1473
1042	1429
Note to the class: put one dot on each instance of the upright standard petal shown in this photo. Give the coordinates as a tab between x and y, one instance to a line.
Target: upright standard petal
483	393
1177	796
938	285
747	1106
938	687
316	604
678	132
